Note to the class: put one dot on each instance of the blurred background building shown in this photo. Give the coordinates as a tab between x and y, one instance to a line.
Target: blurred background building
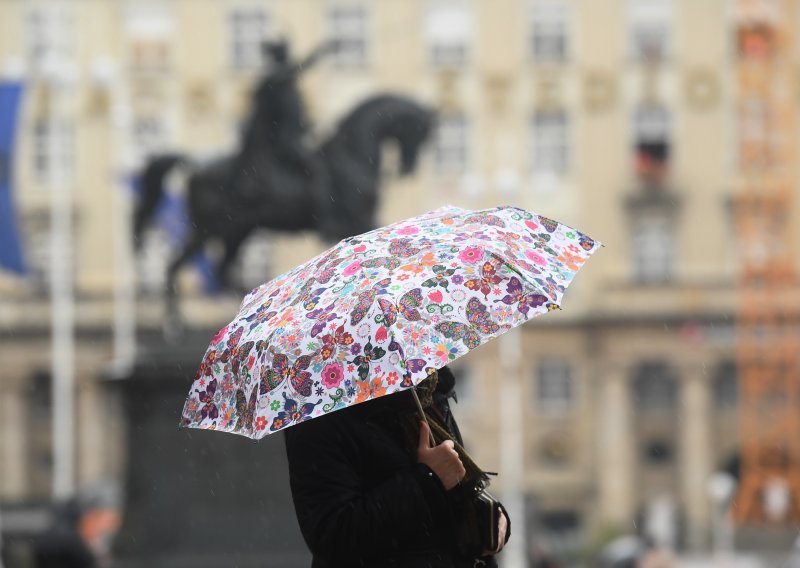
620	117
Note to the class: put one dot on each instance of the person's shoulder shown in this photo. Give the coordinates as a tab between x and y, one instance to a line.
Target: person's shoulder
336	421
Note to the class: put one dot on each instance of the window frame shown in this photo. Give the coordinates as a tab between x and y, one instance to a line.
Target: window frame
451	144
50	32
665	247
561	400
638	18
149	33
43	160
358	34
449	53
551	154
242	19
545	29
656	372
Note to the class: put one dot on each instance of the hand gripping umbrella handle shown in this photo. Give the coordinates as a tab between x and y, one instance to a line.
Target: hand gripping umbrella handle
422	414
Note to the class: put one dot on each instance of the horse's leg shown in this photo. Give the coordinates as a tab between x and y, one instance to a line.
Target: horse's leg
173	326
233	243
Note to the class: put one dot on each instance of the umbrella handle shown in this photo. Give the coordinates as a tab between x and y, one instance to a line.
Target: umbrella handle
422	414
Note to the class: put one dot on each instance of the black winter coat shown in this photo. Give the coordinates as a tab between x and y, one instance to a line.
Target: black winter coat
361	498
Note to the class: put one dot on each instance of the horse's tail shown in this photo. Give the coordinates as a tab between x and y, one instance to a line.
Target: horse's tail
152	189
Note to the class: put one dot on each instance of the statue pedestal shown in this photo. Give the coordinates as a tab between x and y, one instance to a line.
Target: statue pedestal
193	497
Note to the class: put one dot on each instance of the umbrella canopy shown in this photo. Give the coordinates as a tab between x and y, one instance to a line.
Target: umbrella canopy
378	313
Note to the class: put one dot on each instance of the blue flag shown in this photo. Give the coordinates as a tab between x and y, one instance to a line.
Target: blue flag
10	248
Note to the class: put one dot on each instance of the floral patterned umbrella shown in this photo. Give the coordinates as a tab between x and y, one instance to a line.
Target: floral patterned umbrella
378	312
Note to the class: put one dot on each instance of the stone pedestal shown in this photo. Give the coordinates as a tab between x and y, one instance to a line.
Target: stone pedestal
194	497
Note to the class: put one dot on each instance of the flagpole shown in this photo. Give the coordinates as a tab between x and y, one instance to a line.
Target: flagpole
107	76
512	450
62	300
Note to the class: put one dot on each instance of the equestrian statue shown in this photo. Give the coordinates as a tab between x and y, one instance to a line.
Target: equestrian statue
275	180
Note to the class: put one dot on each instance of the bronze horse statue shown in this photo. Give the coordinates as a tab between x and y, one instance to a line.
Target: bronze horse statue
230	197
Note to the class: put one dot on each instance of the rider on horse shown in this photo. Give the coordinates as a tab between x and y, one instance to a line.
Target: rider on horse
278	124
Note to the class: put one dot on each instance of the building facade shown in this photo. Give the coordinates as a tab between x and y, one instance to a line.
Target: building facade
616	117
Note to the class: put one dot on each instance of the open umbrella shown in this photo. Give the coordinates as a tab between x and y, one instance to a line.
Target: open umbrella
378	313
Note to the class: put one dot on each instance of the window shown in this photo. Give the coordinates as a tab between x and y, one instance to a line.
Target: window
650	29
549	41
652	133
39	252
348	26
550	142
53	148
756	28
49	34
658	452
726	385
247	30
655	387
255	262
448	28
149	28
450	145
149	136
756	146
653	247
554	389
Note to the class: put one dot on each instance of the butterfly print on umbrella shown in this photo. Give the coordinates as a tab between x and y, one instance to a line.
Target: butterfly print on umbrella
308	297
324	275
262	315
207	364
551	287
480	323
245	410
292	413
406	307
548	224
209	409
403	248
330	341
587	243
365	300
321	316
363	361
488	280
388	262
414	366
523	301
281	370
442	277
485	219
235	353
541	241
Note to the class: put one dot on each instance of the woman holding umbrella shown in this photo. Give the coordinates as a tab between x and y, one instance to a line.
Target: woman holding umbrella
342	352
371	490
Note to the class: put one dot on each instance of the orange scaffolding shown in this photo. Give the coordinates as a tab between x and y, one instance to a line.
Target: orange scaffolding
767	317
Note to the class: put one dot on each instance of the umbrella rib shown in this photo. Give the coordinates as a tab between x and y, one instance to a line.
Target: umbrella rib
515	270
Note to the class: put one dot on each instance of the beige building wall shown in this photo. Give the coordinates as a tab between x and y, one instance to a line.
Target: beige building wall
610	324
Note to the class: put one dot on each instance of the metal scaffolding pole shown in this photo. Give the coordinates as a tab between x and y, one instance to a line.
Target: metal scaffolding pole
512	452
